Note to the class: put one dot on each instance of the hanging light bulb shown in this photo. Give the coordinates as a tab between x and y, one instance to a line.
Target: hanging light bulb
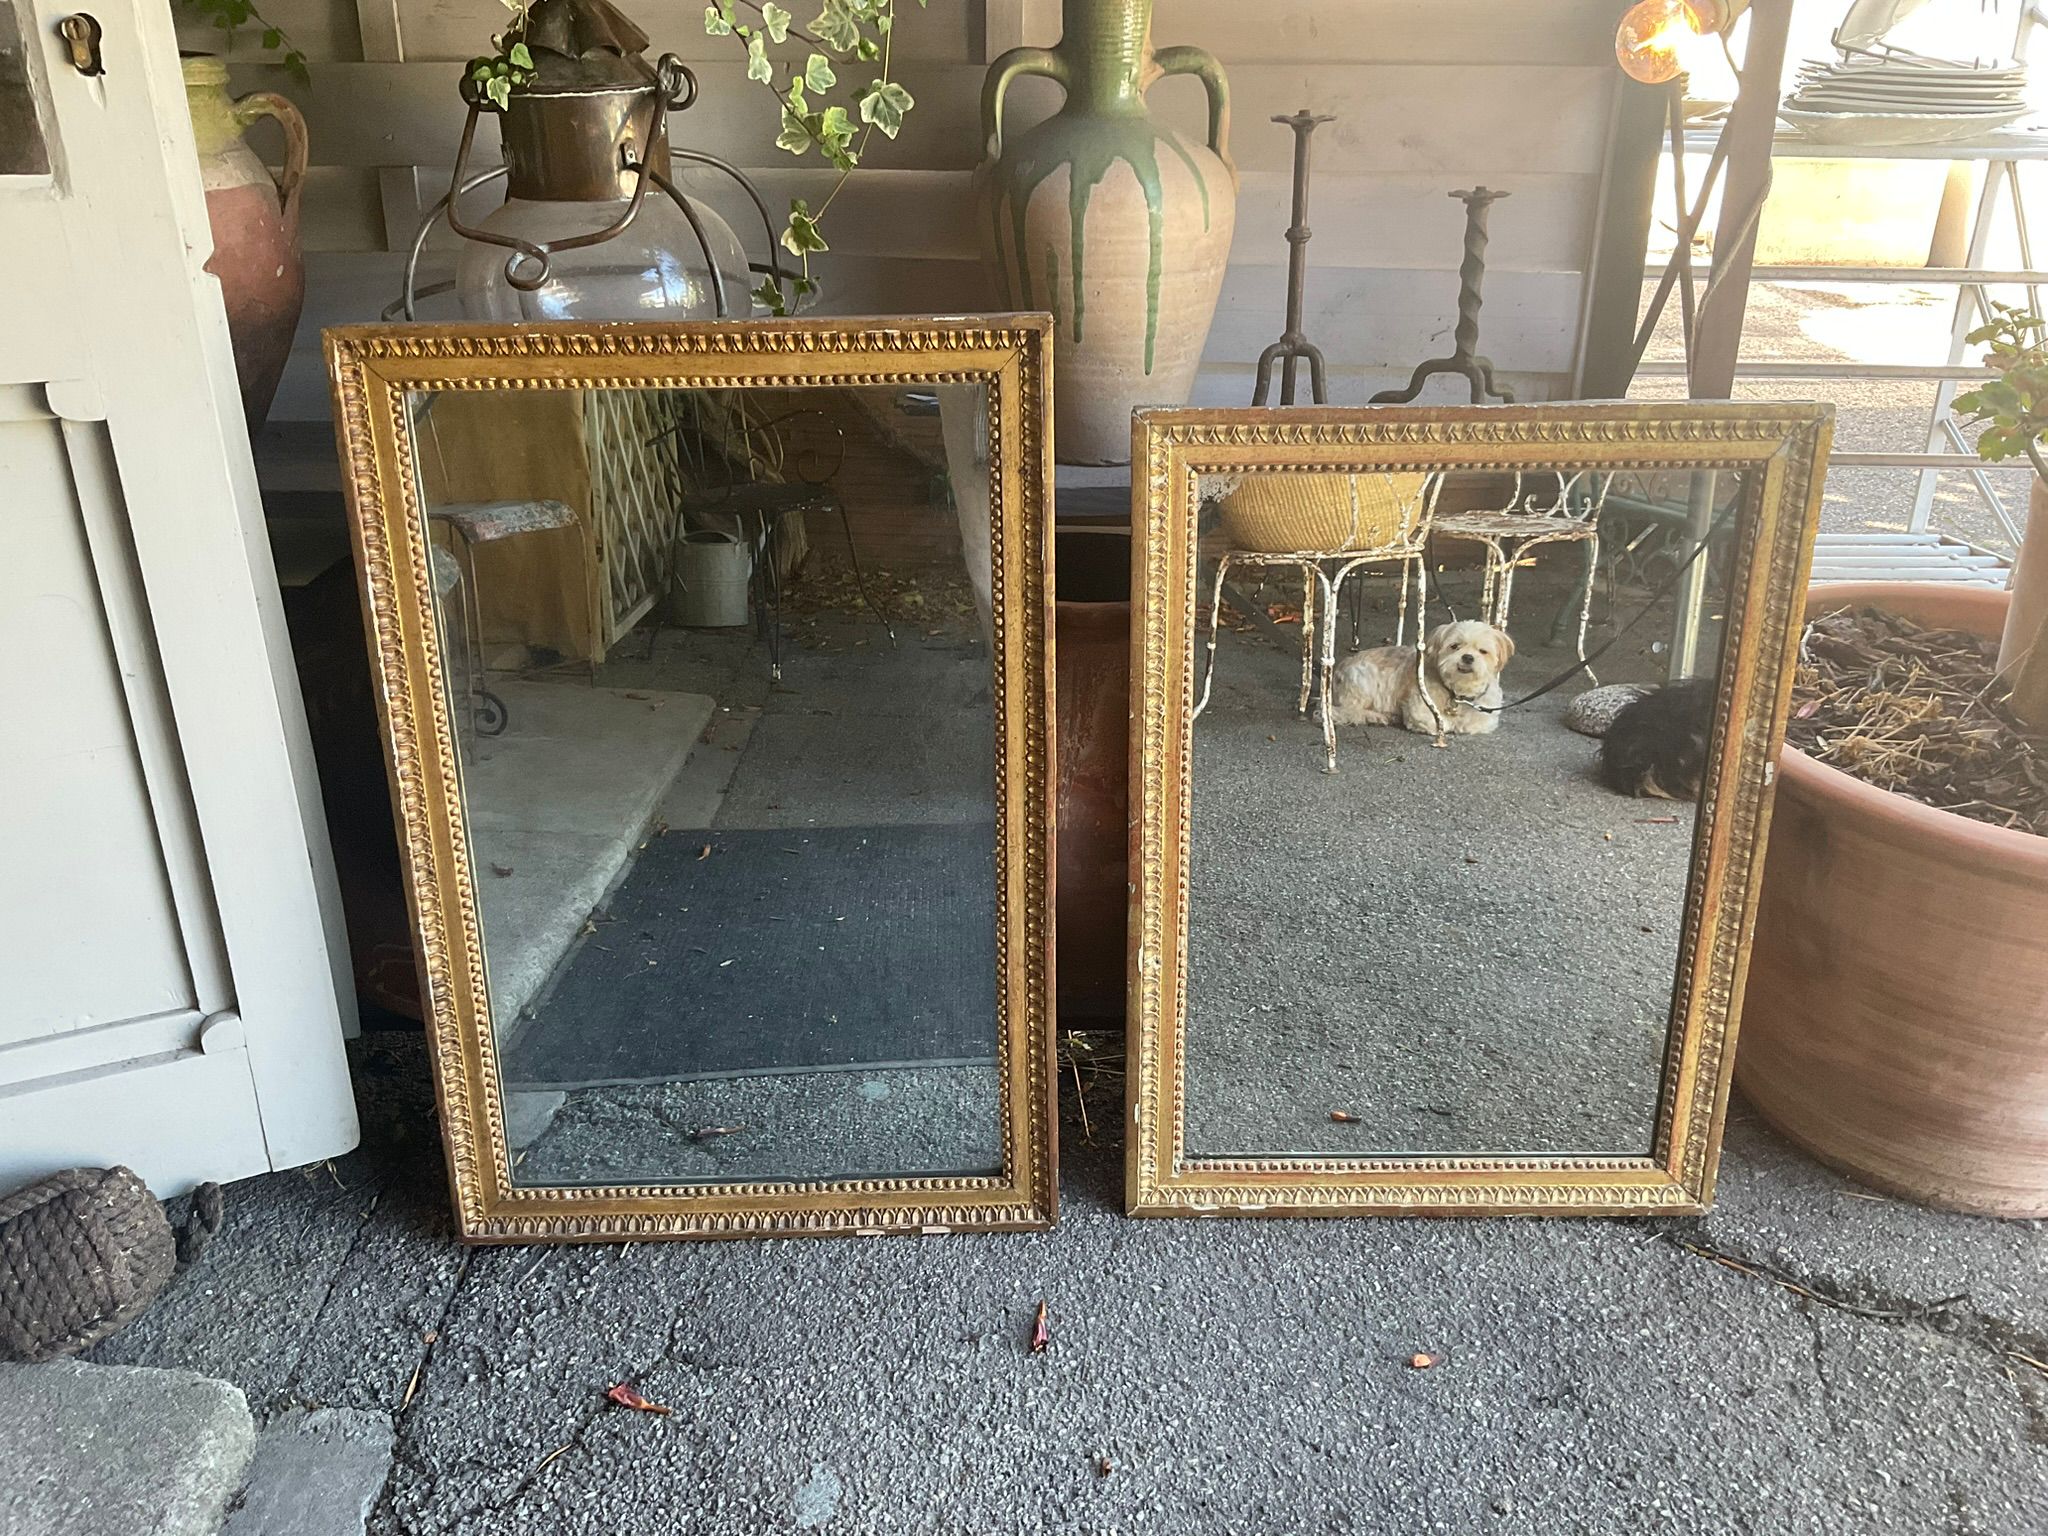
1655	36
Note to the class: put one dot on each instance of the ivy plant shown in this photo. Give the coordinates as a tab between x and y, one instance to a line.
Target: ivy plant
817	112
230	16
2012	409
489	79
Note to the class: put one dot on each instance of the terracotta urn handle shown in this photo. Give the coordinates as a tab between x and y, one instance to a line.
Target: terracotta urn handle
1015	63
260	104
1187	60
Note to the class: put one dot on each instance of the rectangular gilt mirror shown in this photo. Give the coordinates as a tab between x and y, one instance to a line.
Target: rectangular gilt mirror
1407	935
716	675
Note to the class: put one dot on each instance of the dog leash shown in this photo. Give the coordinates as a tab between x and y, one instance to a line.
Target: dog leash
1576	667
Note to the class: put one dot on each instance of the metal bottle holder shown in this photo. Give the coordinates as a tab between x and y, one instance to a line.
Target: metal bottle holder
584	146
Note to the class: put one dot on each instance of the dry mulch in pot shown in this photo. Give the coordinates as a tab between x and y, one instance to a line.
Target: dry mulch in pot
1918	711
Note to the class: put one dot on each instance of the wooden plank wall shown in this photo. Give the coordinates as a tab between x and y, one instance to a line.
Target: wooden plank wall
1430	95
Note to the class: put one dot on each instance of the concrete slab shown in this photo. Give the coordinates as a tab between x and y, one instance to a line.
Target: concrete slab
113	1448
556	805
316	1473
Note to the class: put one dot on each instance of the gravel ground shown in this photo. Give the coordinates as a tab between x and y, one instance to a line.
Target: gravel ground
1891	323
1470	950
864	1123
1596	1377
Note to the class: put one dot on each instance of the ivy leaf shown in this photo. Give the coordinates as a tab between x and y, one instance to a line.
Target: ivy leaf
758	66
295	66
883	103
835	133
776	20
818	73
718	19
836	26
499	89
868	50
272	37
795	135
769	297
802	237
518	55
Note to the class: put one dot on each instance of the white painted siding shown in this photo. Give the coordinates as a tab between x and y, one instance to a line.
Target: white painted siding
1430	95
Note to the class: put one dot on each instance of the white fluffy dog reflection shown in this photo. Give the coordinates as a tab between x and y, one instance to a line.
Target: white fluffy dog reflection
1456	691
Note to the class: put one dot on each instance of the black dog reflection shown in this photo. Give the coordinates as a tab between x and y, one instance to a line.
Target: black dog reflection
1657	745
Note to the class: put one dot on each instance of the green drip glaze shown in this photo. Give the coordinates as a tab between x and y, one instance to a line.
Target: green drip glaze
1089	149
1106	49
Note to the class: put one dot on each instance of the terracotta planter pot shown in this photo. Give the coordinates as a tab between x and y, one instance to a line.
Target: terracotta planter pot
1109	219
255	225
1092	638
1896	1018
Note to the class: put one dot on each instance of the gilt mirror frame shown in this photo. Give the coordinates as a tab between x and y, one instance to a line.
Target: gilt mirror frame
371	369
1783	449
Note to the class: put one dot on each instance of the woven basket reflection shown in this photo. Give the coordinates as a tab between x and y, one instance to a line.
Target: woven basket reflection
1284	513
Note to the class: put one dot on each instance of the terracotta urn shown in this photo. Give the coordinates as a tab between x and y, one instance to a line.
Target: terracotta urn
255	222
1895	1021
1110	219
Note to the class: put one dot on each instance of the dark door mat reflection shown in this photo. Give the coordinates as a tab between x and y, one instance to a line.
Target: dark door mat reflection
784	949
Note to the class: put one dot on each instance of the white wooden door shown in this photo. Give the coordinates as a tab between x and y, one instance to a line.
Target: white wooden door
171	956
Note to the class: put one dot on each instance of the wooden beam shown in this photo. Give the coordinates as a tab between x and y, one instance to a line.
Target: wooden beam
1621	235
1752	123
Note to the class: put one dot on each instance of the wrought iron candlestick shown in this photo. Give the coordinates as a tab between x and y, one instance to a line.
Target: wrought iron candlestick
1293	345
1464	356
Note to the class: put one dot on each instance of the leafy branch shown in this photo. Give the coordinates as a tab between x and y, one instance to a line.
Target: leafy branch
861	31
230	16
492	76
2013	408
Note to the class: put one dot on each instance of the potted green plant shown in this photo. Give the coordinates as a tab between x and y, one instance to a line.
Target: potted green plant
817	112
1896	1014
2012	411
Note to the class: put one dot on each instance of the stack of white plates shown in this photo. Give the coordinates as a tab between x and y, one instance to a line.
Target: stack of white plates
1904	99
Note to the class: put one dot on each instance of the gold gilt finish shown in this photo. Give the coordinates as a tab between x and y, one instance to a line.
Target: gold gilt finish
371	369
1784	450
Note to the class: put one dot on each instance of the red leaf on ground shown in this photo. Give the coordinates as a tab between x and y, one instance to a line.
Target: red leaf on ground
626	1397
1041	1332
1343	1117
1422	1362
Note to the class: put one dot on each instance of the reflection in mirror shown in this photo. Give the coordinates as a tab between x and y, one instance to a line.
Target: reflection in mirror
1464	940
719	667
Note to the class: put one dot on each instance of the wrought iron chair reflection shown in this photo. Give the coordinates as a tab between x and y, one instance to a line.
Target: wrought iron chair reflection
758	481
1328	526
1529	520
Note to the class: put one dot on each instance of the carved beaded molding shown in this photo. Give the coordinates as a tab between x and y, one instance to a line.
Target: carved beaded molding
1781	451
372	369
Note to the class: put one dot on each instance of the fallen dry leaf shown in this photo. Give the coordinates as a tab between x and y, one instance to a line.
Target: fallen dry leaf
1422	1362
501	870
1041	1332
1656	821
1343	1117
1103	1465
1283	613
626	1397
707	1132
704	853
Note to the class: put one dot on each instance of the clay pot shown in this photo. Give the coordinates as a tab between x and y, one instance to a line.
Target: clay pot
1092	639
1109	219
255	224
1895	1022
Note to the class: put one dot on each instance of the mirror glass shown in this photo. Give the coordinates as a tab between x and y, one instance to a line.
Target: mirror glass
719	667
1464	939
